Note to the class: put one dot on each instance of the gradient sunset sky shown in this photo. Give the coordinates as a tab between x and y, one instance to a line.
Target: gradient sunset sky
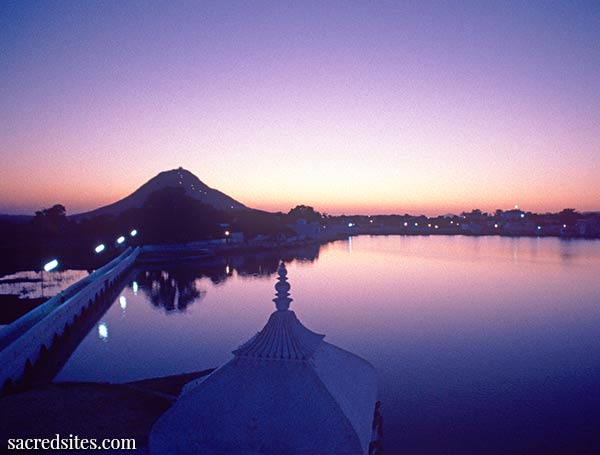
351	107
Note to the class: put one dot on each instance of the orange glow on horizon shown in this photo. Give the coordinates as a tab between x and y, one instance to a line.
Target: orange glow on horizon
451	114
82	193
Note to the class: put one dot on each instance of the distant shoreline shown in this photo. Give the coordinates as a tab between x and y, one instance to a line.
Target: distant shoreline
23	257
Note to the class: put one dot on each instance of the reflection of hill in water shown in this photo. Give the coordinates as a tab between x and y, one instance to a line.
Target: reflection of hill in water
175	286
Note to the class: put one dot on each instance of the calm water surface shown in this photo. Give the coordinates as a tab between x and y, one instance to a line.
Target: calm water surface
483	345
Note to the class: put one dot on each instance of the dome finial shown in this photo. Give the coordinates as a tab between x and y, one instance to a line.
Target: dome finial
282	296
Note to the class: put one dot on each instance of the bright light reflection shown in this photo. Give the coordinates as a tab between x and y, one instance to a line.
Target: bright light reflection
135	287
100	248
103	331
123	302
51	265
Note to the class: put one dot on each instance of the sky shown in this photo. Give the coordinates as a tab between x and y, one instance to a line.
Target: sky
350	107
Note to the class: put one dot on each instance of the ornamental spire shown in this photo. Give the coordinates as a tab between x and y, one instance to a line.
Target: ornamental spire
283	337
282	296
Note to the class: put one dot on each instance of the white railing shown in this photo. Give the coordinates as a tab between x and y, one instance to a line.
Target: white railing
29	319
27	347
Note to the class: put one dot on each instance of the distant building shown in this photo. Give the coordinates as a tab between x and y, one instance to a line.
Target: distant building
511	215
286	391
472	228
235	237
588	227
525	227
305	230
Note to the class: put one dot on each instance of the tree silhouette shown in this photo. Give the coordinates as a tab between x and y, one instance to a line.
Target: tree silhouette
305	212
51	221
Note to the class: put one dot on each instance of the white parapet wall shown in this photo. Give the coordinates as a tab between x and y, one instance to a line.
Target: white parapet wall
28	346
28	320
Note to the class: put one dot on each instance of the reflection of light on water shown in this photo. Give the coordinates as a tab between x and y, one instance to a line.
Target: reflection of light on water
135	287
226	270
103	331
123	302
27	284
445	275
349	244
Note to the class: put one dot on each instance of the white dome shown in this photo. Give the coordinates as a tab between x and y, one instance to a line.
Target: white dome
286	391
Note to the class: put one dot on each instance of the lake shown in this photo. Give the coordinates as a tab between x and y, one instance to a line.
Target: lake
483	345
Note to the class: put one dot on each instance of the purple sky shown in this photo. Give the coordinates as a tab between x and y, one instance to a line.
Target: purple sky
370	107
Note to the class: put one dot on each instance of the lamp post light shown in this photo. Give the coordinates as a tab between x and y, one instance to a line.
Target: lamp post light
98	250
120	240
51	265
133	233
48	267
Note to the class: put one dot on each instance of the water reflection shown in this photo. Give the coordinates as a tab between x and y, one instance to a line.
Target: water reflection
490	343
103	331
20	292
28	284
175	287
172	290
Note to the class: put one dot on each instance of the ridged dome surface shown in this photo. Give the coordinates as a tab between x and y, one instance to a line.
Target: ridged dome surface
283	338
